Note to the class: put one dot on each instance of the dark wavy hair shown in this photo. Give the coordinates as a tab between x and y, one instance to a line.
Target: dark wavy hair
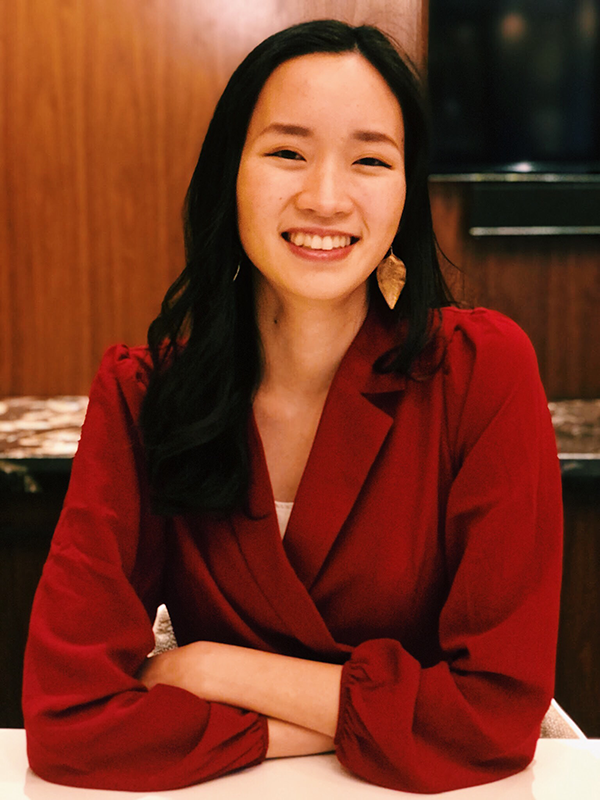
204	344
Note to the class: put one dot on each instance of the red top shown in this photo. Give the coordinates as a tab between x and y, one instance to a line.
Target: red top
423	552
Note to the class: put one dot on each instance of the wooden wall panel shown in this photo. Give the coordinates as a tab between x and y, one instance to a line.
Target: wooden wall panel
549	285
6	355
104	104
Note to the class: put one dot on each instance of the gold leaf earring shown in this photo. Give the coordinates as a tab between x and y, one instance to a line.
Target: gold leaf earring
391	277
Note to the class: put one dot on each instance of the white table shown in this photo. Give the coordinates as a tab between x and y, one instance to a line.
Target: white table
563	769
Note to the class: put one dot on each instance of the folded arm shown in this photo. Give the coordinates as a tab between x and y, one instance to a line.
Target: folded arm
303	694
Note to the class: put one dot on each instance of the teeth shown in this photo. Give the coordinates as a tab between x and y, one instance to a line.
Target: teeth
319	242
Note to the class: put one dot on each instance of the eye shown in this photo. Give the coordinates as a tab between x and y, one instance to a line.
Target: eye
289	155
373	162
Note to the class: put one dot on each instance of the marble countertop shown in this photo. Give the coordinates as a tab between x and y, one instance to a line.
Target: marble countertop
35	429
577	427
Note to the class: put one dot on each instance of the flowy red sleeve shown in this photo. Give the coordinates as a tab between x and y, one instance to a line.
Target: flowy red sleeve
474	716
89	721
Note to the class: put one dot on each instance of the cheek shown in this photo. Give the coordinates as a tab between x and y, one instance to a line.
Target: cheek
255	194
390	206
248	201
243	192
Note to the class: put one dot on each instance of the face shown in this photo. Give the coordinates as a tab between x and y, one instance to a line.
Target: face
321	183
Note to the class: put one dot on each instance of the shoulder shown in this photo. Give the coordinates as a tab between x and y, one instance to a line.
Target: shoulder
489	369
483	342
122	377
481	329
127	363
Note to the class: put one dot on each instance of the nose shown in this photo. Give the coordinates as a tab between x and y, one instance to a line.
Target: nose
325	191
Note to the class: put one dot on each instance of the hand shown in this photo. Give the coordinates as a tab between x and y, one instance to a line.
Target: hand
180	667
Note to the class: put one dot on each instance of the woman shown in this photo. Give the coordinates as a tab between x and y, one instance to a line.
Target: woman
407	620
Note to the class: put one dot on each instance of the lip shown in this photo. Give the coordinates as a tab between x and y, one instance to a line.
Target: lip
321	232
320	255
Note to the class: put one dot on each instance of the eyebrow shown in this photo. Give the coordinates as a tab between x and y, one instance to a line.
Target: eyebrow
374	136
299	130
290	130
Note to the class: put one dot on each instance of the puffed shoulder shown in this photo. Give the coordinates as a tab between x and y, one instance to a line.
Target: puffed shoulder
485	344
484	333
489	362
127	363
121	380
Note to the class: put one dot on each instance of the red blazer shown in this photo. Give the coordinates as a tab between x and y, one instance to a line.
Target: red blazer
423	553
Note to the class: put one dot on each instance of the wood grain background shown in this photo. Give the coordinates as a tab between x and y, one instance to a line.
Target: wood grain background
550	285
104	105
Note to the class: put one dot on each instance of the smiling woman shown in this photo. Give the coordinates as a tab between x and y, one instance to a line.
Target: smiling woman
350	505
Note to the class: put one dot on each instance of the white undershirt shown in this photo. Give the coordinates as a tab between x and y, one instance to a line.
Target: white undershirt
283	515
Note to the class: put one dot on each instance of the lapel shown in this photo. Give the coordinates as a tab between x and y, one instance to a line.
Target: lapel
350	434
259	541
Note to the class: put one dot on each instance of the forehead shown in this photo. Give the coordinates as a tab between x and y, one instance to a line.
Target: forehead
326	90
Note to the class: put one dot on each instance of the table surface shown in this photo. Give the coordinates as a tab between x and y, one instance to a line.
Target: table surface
562	769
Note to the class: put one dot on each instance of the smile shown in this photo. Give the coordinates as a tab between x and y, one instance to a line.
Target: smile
316	242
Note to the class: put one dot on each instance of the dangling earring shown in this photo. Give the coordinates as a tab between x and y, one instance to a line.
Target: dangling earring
391	277
237	272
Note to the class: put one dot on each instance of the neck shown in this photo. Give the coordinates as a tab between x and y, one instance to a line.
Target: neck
304	340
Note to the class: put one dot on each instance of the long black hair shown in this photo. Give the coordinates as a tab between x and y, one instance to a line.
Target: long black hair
204	344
